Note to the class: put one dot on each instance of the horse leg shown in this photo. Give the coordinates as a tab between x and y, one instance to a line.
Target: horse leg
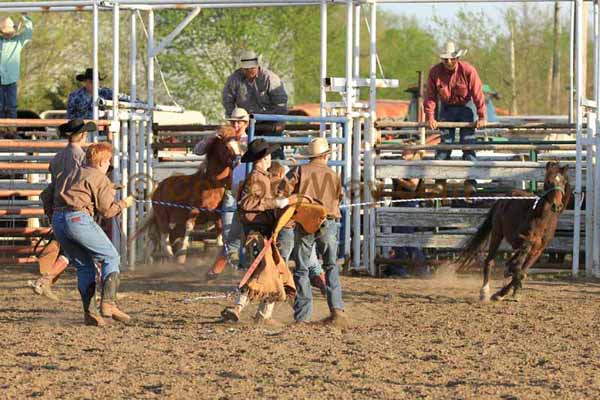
495	240
165	242
519	259
182	252
534	256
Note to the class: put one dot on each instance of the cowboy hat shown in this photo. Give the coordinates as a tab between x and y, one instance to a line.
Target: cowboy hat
317	147
7	26
258	149
88	75
239	114
450	51
75	126
248	59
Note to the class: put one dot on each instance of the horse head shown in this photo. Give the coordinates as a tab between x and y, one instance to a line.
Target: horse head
231	138
557	190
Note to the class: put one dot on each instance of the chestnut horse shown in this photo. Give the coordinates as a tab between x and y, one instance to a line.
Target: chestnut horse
198	196
527	225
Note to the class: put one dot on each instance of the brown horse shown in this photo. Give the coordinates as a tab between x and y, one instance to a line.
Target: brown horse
179	201
527	225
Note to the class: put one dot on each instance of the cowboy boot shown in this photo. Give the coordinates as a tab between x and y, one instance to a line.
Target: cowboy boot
108	306
264	315
233	314
43	285
91	316
337	318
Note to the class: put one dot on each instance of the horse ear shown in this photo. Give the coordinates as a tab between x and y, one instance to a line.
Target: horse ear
564	169
551	164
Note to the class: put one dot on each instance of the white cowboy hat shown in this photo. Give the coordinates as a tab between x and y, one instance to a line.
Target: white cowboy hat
239	114
7	26
248	59
450	51
317	147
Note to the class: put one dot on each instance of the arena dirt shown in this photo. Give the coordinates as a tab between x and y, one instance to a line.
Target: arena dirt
410	339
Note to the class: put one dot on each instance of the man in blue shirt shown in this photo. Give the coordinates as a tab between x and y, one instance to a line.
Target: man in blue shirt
80	103
11	44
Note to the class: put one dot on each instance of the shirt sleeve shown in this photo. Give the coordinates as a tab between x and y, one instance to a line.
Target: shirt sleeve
431	96
105	199
277	95
25	36
254	195
289	183
71	106
476	89
229	94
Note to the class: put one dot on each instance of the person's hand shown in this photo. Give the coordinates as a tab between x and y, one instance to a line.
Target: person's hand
432	123
481	123
129	201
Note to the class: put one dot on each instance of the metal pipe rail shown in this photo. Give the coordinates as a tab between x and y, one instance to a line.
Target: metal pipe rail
22	211
479	147
19	192
35	123
400	123
184	128
24	231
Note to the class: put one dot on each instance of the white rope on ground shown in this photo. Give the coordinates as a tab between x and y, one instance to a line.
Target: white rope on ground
227	295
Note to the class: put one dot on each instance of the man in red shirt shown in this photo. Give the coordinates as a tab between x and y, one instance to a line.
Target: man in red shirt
451	84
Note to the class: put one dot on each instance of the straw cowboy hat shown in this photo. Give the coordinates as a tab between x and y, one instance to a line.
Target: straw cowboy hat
258	149
239	114
317	147
450	51
7	26
248	59
88	75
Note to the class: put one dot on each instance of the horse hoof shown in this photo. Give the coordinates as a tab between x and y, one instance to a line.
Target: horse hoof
484	298
497	297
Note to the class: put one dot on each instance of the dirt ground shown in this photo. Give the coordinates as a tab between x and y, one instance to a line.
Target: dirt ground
410	339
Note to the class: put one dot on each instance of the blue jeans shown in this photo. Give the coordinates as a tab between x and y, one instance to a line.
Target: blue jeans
85	243
232	229
8	100
467	135
286	248
233	243
326	240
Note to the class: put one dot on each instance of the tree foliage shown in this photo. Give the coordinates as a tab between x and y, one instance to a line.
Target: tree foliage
198	62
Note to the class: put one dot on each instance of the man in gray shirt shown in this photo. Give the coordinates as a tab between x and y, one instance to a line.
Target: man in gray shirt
258	91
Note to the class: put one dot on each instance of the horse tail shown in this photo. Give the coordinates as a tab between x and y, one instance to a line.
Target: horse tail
147	222
471	248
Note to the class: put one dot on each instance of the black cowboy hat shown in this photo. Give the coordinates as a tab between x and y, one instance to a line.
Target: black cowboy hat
88	75
75	126
257	149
